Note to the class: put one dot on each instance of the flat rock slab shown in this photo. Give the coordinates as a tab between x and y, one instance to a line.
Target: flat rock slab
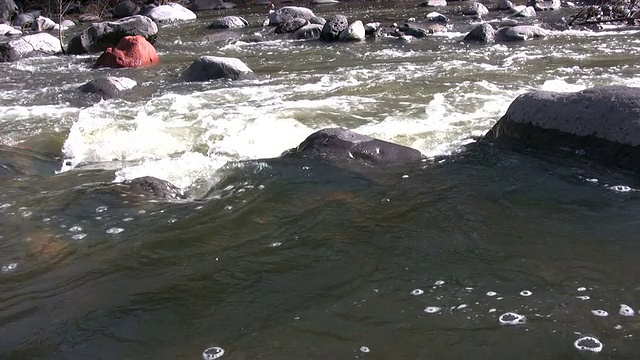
602	123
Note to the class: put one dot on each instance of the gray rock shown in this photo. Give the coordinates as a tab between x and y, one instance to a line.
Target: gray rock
89	18
506	5
276	17
125	9
309	32
371	28
483	33
324	2
24	20
433	3
290	25
317	20
342	145
7	9
171	12
212	67
66	24
108	87
520	33
524	11
100	36
334	26
602	123
437	17
355	32
228	22
43	24
542	5
475	9
41	44
204	5
6	30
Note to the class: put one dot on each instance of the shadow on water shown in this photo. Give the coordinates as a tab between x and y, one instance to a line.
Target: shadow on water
296	259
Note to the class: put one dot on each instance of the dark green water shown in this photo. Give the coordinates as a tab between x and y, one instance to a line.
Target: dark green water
284	259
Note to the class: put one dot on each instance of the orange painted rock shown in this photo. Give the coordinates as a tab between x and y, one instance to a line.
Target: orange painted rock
131	51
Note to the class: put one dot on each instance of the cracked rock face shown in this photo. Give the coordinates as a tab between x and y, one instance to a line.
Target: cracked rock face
35	45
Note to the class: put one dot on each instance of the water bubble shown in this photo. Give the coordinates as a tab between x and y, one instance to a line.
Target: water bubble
620	188
127	219
27	214
601	313
618	327
142	211
525	293
212	353
588	343
417	292
365	349
46	219
101	209
583	297
228	207
8	268
582	288
439	282
385	200
79	236
114	230
432	309
405	176
491	293
75	229
492	310
626	310
275	244
512	319
462	306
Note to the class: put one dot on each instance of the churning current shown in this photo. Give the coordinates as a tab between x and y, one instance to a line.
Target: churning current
490	254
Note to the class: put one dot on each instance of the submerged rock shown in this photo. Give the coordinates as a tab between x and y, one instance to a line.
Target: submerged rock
149	186
601	123
309	32
213	67
17	161
171	12
100	36
338	144
109	87
41	44
520	33
132	51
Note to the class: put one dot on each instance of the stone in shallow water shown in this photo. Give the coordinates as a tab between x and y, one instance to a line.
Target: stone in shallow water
212	353
35	45
214	67
588	343
512	319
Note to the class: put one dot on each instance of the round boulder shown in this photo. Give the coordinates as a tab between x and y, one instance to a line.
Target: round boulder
228	22
333	27
520	33
213	67
309	32
43	24
290	25
25	19
483	33
601	123
276	17
100	36
475	9
342	145
35	45
171	12
132	51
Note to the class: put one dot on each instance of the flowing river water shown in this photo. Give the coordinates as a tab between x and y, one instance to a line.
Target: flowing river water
284	259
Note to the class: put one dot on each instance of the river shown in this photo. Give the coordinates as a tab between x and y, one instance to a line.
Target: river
291	259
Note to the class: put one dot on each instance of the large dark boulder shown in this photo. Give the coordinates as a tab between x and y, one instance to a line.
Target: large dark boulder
276	17
25	20
7	9
41	44
333	27
601	123
125	9
213	67
101	36
149	186
109	87
342	145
